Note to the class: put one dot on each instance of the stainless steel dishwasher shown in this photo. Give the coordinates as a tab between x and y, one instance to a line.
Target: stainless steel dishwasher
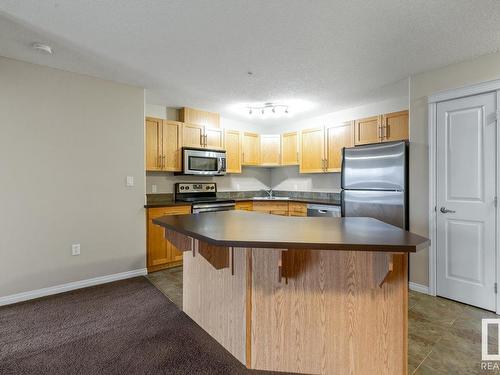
323	210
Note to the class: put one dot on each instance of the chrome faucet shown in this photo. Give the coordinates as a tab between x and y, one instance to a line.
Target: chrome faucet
269	192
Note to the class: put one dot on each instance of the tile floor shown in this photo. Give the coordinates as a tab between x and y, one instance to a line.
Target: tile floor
444	336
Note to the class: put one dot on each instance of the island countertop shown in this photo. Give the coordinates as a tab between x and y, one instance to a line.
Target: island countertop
258	230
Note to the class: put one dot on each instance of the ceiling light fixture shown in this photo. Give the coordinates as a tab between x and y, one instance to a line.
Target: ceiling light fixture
275	108
44	48
279	109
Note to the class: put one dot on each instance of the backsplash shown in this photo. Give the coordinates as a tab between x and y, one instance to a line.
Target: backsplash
253	179
163	197
289	179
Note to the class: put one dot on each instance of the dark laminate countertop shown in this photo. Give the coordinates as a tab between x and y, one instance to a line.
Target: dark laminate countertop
170	202
329	202
253	229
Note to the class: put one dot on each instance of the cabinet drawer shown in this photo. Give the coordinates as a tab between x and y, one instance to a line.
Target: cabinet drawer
156	212
297	208
247	206
270	206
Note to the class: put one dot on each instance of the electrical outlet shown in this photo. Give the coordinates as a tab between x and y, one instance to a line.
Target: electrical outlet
153	188
75	249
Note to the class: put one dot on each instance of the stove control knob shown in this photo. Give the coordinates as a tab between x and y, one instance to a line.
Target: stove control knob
182	187
213	187
187	187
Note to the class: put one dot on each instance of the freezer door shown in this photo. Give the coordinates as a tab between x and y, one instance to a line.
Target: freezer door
387	206
375	167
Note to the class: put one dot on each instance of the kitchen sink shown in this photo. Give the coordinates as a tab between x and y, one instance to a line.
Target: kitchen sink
271	198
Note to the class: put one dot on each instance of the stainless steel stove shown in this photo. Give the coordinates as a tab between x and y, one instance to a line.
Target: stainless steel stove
203	196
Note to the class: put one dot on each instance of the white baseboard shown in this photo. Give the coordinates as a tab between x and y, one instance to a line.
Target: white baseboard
418	288
19	297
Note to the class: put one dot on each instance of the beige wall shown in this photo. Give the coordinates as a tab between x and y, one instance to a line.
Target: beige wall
481	69
67	143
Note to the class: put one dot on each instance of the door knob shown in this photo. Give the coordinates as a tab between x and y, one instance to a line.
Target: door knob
444	210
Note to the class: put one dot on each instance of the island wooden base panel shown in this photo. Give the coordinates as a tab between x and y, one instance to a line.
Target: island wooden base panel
329	317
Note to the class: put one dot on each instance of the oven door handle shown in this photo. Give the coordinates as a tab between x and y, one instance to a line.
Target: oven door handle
212	209
211	205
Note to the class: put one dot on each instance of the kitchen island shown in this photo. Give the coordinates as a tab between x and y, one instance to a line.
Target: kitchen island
298	294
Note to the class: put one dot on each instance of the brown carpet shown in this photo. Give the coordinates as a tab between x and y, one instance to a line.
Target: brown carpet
125	327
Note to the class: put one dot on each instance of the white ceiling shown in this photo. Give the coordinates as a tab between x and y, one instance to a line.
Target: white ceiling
334	53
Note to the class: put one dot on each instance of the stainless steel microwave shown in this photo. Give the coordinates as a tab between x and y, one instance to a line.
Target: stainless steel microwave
203	162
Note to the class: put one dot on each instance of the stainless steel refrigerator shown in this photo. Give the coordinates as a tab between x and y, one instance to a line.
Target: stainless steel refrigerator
375	182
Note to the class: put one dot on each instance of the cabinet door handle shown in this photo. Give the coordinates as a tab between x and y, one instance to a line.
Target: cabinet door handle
243	157
158	158
164	162
297	156
206	140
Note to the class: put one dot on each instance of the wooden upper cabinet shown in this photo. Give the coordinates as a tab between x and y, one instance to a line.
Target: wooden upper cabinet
214	138
199	117
312	150
153	144
395	126
251	149
192	135
337	137
163	145
270	149
367	130
172	143
202	136
290	148
233	151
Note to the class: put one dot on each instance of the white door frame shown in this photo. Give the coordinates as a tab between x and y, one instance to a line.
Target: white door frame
480	88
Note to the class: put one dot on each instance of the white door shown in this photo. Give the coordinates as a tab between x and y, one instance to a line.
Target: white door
466	182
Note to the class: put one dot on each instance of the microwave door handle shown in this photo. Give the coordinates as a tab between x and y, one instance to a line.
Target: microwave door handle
222	165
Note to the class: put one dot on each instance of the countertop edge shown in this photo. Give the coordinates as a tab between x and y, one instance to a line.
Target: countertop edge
294	245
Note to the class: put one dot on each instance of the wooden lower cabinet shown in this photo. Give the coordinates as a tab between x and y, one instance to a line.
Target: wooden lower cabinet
297	209
161	253
275	208
244	205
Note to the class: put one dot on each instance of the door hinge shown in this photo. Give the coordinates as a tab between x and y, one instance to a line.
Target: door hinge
496	288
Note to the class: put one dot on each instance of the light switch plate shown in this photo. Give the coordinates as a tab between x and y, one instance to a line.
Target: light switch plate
130	181
153	188
75	249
